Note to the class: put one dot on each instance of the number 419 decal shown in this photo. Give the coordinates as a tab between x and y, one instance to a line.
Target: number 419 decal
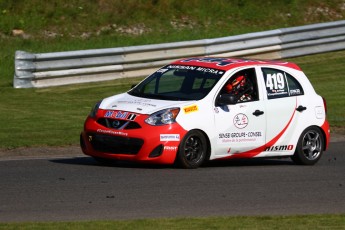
275	81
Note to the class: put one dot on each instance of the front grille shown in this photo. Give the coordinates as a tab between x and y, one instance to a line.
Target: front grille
118	124
115	145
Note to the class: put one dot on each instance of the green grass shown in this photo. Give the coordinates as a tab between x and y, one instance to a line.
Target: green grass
264	222
76	18
50	116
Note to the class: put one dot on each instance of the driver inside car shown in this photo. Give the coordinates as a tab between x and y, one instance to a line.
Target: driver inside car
241	87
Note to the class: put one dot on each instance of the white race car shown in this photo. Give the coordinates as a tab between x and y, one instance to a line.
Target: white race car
207	108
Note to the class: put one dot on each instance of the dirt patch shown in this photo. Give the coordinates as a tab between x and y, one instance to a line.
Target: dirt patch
41	152
335	137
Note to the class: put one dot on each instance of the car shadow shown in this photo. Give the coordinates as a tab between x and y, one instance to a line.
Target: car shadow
249	162
89	161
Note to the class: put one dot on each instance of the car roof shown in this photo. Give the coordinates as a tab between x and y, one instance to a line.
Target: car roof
224	63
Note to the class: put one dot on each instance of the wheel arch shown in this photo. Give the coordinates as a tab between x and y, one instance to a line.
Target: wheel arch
324	140
208	142
307	151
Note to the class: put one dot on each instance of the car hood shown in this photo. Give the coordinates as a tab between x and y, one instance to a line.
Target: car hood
126	102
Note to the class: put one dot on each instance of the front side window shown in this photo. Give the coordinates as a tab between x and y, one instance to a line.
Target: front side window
280	84
178	82
242	85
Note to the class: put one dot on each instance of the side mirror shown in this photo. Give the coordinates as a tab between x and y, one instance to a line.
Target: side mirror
226	99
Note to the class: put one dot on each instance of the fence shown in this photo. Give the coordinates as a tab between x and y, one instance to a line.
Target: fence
61	68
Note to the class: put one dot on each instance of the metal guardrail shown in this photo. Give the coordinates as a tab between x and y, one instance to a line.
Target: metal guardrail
61	68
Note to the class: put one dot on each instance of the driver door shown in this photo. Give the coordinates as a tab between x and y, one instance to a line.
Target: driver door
241	127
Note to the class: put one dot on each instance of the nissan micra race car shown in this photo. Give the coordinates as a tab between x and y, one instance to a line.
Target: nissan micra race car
207	108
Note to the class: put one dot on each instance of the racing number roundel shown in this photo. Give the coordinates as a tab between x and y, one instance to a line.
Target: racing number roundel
241	120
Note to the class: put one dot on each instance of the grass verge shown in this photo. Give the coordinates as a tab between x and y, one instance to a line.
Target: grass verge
264	222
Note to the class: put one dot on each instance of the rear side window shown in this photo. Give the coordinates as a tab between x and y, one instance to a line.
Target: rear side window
280	84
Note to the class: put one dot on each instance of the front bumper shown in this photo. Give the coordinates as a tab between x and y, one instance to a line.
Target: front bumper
143	143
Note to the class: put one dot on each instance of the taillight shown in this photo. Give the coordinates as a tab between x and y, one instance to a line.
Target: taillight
324	105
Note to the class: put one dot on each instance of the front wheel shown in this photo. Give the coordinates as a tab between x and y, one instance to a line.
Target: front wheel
192	150
309	147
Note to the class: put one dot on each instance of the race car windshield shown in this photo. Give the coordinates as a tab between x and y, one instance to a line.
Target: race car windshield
177	82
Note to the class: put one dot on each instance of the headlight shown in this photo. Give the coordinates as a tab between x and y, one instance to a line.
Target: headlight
163	117
94	110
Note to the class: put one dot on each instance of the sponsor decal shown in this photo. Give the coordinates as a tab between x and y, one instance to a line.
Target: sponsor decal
208	70
182	67
256	151
120	115
144	102
131	117
190	109
196	68
109	114
232	137
276	85
170	137
274	148
295	92
241	121
170	148
111	132
276	94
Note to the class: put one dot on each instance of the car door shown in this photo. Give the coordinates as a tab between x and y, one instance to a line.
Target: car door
241	126
281	102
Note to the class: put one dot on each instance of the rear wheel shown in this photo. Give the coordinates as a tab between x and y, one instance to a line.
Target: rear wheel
192	150
309	147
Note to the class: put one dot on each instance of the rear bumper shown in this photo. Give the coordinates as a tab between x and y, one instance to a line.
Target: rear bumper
326	129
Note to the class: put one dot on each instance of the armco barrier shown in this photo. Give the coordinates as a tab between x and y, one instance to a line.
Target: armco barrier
61	68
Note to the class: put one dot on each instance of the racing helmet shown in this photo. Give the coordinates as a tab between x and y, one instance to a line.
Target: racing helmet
238	85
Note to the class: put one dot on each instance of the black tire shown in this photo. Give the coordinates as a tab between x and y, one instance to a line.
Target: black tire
309	147
192	150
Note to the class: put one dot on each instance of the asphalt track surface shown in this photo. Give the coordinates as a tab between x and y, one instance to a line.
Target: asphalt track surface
79	188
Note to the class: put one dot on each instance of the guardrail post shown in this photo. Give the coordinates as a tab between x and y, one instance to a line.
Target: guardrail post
24	68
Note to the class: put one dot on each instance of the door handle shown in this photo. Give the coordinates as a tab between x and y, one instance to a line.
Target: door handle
258	112
301	108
